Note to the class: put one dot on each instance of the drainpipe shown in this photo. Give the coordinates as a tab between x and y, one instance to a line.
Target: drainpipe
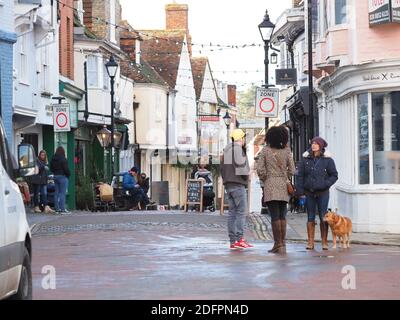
167	132
86	114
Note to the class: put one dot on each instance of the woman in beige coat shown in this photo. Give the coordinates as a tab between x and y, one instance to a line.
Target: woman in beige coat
275	167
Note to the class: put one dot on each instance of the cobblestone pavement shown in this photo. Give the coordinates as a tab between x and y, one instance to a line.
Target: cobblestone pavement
186	256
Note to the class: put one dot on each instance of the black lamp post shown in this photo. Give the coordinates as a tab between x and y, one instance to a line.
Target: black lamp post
112	67
266	28
227	119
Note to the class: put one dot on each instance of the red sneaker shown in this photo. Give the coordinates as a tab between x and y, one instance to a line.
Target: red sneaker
235	246
244	244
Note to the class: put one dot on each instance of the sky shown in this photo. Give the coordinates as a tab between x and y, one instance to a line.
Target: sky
229	22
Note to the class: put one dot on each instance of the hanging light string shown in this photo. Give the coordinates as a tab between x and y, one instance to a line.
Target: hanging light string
219	47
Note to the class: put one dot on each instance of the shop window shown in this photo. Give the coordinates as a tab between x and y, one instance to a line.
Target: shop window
363	134
384	135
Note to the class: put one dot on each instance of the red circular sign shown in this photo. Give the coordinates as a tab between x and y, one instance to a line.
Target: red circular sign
268	100
62	120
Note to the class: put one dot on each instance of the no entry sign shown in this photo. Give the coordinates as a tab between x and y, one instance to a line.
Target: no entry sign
267	102
61	118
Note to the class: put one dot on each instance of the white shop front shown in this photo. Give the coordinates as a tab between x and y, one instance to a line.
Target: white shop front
359	115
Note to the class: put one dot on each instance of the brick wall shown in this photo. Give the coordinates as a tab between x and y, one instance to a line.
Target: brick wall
296	3
101	9
232	95
66	46
177	17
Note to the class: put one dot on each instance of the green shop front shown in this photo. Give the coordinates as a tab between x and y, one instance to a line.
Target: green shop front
51	140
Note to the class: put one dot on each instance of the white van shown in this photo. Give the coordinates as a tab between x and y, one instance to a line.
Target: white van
15	236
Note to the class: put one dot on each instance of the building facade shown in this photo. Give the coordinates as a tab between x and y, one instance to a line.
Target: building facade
359	110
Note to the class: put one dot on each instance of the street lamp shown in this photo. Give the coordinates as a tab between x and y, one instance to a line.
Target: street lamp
112	67
227	119
104	137
266	28
274	58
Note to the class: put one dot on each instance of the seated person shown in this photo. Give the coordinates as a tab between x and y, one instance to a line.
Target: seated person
129	183
143	182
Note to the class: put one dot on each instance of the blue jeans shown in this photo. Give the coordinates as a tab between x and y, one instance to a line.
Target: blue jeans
61	186
139	195
317	203
237	196
42	190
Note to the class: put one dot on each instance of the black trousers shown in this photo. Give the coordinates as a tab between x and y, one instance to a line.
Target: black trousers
278	210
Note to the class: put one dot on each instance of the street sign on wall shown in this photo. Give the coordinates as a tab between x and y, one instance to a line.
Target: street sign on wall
267	102
61	117
379	12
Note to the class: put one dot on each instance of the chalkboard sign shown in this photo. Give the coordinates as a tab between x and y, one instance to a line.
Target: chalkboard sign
194	193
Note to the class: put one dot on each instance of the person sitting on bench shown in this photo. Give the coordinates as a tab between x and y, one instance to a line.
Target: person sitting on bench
129	183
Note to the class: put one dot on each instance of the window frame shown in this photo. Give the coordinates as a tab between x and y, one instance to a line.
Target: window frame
371	145
334	14
23	60
93	72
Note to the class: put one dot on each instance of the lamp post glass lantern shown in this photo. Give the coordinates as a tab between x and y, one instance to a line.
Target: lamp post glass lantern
274	58
227	119
117	138
112	68
266	28
104	137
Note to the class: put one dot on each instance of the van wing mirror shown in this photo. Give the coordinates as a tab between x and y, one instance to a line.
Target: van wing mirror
27	161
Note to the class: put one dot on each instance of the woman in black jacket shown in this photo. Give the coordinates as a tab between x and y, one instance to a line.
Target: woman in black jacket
39	184
59	167
316	174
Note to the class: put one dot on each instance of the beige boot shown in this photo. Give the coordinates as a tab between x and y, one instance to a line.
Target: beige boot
311	235
37	210
47	209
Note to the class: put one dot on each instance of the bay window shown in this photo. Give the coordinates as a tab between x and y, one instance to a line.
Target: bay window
379	137
340	12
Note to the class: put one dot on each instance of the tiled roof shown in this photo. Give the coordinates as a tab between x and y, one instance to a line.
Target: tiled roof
142	73
128	34
163	52
198	68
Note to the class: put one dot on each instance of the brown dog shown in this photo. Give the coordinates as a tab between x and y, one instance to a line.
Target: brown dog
341	227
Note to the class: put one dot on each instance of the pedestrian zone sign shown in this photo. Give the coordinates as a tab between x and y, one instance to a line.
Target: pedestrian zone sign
61	117
267	102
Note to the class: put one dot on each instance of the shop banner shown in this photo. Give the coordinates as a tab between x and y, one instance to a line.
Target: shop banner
396	11
379	12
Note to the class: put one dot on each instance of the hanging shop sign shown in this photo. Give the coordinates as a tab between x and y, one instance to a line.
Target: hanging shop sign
384	11
285	77
396	11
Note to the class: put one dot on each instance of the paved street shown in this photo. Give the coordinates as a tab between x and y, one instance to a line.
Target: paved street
185	256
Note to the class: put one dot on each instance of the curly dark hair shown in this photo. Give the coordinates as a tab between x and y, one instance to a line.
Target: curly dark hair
277	137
